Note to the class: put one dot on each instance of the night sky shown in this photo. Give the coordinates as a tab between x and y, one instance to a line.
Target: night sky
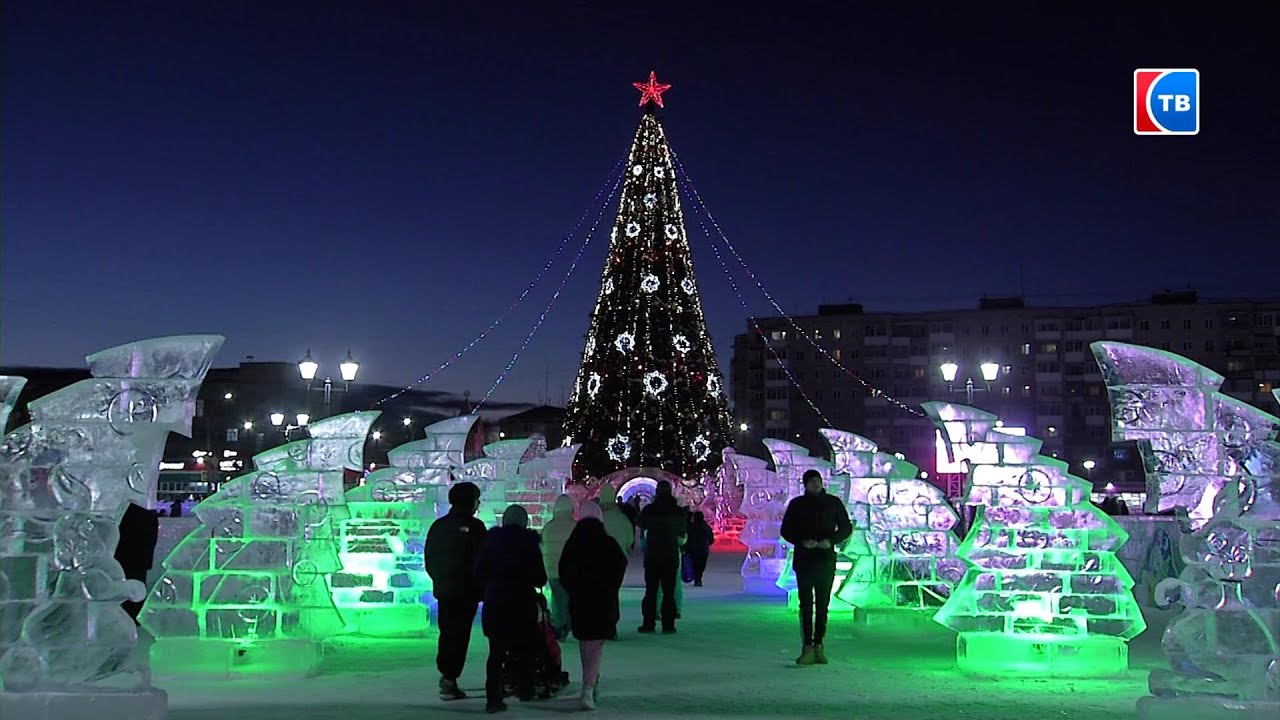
388	176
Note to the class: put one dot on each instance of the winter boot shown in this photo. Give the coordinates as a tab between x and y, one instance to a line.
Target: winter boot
646	628
819	654
807	656
495	707
587	700
449	690
668	629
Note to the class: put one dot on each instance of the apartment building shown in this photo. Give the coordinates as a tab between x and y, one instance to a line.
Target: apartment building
1045	381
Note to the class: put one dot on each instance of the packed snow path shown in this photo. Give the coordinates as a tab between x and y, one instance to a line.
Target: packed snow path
732	658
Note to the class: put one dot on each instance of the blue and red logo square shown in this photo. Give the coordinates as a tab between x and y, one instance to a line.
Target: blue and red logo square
1166	102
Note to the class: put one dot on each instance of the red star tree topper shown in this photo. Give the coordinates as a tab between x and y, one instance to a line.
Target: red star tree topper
651	90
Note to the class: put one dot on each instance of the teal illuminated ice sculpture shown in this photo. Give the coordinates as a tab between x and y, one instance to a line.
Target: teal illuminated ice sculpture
248	591
903	547
1215	461
1044	594
383	589
91	448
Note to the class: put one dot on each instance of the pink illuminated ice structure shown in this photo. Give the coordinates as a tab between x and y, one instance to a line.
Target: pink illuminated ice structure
91	448
1214	460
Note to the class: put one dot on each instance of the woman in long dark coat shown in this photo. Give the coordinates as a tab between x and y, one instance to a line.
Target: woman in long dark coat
591	570
510	570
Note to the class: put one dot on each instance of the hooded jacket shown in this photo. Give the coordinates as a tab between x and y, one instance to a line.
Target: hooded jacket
556	533
510	570
665	524
615	521
453	542
591	570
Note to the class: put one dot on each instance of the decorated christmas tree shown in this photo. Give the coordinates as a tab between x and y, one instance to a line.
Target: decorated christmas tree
1044	594
248	591
649	391
1215	461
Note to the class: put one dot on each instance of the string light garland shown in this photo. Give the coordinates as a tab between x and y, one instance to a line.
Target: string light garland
610	182
542	317
691	192
772	352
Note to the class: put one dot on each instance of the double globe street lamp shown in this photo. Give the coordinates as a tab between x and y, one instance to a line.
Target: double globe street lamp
308	367
990	371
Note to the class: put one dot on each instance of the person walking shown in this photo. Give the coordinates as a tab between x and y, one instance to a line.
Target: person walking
698	545
139	533
815	523
453	543
554	535
621	528
510	570
664	524
592	568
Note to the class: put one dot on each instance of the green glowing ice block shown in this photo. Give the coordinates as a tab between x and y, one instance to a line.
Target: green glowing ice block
1044	594
248	590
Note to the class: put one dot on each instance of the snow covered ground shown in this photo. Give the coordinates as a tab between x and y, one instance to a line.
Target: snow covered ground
732	658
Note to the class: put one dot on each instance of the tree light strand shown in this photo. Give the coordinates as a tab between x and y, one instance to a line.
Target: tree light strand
573	265
696	200
595	202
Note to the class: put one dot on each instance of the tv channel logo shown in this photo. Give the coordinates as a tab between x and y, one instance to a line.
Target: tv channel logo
1166	102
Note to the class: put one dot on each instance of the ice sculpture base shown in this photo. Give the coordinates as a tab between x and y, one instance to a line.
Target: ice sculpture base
1004	655
210	657
1205	707
897	620
150	704
403	621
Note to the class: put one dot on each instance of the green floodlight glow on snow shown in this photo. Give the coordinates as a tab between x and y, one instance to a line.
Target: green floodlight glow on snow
1044	593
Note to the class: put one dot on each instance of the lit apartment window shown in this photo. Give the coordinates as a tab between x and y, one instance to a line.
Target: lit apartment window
836	352
836	333
778	335
1026	348
777	414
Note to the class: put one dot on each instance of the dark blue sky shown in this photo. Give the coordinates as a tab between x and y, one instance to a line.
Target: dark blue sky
388	176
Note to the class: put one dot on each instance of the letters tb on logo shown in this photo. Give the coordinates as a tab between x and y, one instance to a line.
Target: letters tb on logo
1166	102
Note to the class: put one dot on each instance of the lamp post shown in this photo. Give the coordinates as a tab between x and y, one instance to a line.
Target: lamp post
990	372
1088	466
347	369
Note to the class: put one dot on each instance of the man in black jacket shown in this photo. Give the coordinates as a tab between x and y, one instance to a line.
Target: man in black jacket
453	542
815	523
664	524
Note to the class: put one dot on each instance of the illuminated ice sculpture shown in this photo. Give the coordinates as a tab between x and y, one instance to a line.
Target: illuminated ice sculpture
1044	594
765	496
1215	461
903	548
248	591
93	447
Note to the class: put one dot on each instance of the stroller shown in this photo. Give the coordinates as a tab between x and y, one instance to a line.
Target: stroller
548	677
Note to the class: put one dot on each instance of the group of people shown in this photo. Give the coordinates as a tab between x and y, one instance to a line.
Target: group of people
582	561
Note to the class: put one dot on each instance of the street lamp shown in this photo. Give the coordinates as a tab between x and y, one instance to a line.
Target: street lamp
1088	466
743	427
990	372
248	424
347	369
302	419
277	419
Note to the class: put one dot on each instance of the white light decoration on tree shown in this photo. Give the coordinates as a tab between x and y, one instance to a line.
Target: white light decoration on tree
672	232
687	285
700	447
682	344
650	283
650	200
655	383
713	385
593	384
613	234
659	172
625	342
633	229
637	170
620	448
591	346
608	286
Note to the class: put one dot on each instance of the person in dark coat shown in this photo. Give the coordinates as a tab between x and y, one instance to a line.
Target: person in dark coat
453	543
815	523
698	545
139	533
592	568
664	524
510	570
